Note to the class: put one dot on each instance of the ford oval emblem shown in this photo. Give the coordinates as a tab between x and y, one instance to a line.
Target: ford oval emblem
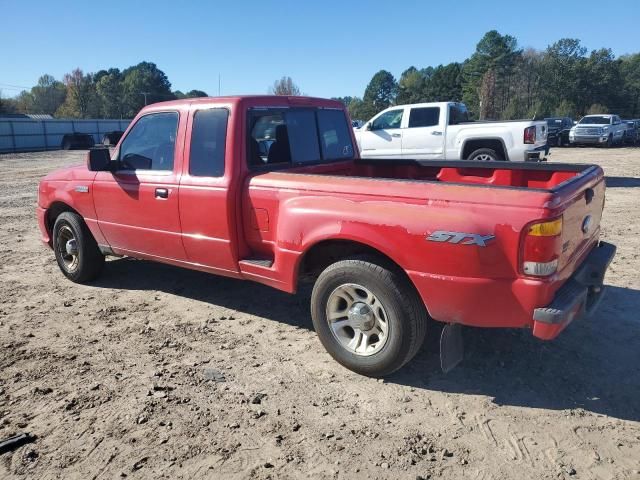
586	224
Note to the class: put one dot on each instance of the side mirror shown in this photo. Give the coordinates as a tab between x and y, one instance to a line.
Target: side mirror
99	160
368	126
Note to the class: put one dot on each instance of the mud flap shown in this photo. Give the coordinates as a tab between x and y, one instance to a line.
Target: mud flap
451	346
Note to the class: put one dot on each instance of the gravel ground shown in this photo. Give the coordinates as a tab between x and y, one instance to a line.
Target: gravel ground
157	372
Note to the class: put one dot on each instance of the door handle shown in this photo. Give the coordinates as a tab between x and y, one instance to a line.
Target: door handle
162	193
395	135
436	132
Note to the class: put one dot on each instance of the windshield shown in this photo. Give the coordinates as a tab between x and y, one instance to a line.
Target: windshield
554	121
598	120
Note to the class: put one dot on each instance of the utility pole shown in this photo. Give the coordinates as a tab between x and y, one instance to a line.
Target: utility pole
218	84
145	97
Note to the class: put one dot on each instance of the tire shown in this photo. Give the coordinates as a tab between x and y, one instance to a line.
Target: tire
484	155
87	262
66	144
609	143
559	141
399	336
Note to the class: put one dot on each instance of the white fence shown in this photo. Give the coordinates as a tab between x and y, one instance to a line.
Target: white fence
25	135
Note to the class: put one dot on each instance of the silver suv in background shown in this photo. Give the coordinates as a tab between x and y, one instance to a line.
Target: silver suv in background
607	130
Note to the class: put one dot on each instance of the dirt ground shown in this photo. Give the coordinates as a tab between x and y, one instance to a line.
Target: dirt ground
157	372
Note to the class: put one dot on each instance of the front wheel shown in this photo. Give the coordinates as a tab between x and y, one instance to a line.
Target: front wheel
484	155
76	250
368	316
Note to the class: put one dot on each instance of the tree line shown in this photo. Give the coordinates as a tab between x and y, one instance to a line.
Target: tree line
108	93
499	80
502	81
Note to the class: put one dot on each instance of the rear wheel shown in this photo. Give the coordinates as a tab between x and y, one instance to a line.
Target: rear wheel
76	250
484	155
368	316
66	144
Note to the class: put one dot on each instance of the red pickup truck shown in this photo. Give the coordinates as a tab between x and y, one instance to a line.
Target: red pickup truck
271	189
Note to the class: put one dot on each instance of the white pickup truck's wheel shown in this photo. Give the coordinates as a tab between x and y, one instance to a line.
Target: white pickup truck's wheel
484	155
367	315
76	251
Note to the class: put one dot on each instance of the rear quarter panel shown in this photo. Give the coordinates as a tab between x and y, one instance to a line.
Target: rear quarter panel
396	217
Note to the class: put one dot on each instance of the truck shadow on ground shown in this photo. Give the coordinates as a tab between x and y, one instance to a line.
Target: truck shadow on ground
593	365
622	182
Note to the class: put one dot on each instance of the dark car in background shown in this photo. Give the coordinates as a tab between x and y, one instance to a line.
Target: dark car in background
112	138
632	132
558	130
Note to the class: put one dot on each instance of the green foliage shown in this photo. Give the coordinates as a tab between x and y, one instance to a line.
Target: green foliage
502	81
380	93
143	84
110	92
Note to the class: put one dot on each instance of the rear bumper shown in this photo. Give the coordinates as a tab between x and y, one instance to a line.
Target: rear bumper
578	297
538	154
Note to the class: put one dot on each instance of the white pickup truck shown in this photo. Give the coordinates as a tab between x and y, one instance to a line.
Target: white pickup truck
442	131
605	130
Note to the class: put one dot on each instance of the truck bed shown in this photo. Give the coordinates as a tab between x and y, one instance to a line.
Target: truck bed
549	177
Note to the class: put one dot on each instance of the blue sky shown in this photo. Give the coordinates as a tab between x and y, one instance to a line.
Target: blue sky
329	48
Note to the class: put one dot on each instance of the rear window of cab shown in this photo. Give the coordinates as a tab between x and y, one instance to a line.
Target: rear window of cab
298	136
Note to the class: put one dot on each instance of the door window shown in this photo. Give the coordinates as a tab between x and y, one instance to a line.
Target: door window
150	144
208	141
424	117
390	119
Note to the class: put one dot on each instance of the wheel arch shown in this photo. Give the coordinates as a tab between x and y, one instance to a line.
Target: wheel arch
319	255
471	144
53	211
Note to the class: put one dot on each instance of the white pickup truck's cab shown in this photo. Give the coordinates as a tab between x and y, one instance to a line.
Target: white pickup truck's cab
598	129
439	131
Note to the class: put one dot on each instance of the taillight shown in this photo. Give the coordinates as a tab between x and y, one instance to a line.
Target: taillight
541	248
530	135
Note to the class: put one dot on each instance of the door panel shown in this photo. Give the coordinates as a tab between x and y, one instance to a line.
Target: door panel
424	136
137	205
384	138
133	216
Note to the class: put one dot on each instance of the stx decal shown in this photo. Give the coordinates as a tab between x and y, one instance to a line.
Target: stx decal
457	237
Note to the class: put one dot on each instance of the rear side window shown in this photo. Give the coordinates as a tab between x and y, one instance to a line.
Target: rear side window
297	136
208	140
424	117
458	114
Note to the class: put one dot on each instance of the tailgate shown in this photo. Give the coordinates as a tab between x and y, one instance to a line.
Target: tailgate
581	222
541	133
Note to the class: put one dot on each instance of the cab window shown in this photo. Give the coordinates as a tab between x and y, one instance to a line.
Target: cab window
208	141
150	144
424	117
390	119
297	136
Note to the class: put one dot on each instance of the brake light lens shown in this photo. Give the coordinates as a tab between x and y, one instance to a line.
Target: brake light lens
530	135
541	248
